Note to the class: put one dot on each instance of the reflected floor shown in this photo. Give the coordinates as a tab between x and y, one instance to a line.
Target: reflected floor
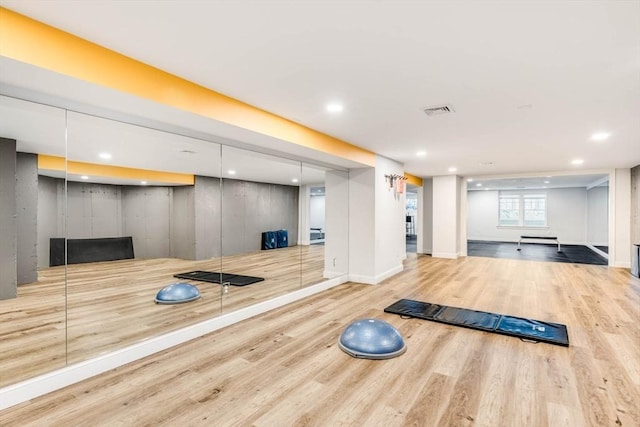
111	304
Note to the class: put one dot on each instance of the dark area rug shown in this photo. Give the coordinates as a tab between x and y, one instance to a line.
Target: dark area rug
576	254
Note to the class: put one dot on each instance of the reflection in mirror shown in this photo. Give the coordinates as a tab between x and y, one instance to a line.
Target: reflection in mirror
260	251
143	206
312	229
32	295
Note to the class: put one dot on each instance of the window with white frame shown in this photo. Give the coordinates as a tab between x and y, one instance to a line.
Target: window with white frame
517	209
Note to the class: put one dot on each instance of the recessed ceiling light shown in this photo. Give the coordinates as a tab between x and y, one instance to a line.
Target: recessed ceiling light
231	172
452	169
577	162
294	180
84	177
143	182
544	186
600	136
469	179
546	182
478	185
549	176
421	153
105	156
335	108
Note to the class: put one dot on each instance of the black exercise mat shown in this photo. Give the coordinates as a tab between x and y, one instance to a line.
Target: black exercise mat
245	280
412	308
534	330
217	277
553	333
468	318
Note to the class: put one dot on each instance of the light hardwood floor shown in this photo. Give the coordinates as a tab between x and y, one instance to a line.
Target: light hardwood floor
284	368
110	304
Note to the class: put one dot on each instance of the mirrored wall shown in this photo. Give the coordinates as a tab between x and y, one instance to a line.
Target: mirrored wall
110	213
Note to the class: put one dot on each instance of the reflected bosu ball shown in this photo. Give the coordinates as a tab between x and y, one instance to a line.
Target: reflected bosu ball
371	339
176	293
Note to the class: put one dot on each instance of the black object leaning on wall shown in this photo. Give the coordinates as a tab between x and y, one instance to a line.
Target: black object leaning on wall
90	250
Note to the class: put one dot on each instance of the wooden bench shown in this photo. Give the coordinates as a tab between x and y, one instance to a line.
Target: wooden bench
539	238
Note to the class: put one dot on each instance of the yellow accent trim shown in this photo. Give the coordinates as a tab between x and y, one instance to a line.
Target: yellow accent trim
51	163
92	169
36	43
413	180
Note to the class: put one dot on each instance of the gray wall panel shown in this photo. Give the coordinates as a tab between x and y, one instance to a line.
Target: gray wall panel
183	223
27	217
79	208
207	217
94	210
146	212
251	208
8	223
49	213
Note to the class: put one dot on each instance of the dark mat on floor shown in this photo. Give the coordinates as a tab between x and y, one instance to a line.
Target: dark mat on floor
217	277
527	329
576	254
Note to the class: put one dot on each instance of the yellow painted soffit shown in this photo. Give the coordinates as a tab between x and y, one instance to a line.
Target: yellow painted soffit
38	44
413	180
92	169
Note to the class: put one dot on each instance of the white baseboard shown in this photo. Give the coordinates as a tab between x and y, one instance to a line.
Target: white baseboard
449	255
374	280
328	274
624	264
33	387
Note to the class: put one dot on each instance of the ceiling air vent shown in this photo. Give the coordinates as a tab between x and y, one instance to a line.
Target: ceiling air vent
439	109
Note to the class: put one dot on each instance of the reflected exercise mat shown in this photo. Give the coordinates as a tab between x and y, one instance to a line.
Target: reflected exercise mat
217	277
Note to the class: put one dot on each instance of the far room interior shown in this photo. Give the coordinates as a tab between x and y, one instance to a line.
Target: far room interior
411	218
562	217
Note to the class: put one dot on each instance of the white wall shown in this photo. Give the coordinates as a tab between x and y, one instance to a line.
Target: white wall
304	192
598	216
389	221
316	211
566	217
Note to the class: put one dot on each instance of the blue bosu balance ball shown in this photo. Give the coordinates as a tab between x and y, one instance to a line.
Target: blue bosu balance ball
176	293
371	339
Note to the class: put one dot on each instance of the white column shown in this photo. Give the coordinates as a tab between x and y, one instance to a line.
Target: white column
425	238
620	254
446	216
336	224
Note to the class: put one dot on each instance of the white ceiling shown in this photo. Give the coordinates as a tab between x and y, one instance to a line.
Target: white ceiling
530	81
